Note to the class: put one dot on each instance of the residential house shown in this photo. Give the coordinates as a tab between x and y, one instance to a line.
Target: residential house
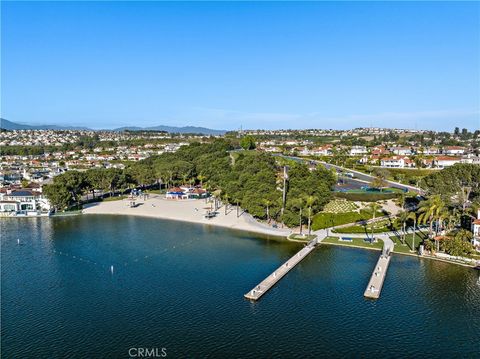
445	161
24	202
401	151
454	150
358	150
470	158
396	162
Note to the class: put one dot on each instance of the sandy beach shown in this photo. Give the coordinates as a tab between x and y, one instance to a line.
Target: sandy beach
192	210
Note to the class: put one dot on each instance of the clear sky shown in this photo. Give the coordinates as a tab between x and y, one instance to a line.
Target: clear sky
226	64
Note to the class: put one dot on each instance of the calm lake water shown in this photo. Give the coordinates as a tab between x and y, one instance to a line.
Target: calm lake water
180	287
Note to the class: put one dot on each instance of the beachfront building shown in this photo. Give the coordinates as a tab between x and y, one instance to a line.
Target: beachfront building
176	193
186	192
24	203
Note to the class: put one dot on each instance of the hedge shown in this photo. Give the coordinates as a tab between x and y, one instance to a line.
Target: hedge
366	197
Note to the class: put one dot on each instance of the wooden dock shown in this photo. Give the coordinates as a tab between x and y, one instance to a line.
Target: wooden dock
278	274
375	284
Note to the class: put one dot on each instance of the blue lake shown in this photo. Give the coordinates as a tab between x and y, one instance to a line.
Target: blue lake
180	286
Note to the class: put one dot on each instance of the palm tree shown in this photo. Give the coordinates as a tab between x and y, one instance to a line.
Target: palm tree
403	217
298	203
310	201
226	197
201	178
216	194
267	204
413	215
430	210
374	206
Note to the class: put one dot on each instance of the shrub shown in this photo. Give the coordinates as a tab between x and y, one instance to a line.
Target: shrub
366	197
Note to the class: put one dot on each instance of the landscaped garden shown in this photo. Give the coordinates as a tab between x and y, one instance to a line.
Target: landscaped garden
384	225
331	219
340	206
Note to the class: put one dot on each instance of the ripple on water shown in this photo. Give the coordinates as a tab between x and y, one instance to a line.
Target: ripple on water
181	286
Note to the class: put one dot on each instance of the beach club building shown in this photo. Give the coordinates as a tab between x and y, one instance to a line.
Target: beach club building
186	192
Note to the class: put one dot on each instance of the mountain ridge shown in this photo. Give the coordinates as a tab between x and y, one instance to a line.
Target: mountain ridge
9	125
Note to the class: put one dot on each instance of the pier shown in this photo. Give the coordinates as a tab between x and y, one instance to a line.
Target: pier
375	284
280	272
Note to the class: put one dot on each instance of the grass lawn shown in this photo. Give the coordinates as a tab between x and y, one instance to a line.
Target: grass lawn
356	242
324	219
399	247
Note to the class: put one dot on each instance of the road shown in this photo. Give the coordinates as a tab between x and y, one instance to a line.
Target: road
359	176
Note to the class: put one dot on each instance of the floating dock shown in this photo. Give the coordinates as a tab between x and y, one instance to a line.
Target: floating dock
278	274
375	284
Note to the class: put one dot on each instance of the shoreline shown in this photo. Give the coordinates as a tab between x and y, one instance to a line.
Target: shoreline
402	253
190	211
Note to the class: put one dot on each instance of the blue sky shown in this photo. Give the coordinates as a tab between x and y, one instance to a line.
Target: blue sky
226	64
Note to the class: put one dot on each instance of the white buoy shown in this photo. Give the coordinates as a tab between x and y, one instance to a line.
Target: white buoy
111	269
18	240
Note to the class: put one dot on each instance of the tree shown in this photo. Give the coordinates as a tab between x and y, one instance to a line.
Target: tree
412	215
248	143
380	180
459	245
459	184
58	195
403	216
310	201
430	210
374	207
201	178
267	202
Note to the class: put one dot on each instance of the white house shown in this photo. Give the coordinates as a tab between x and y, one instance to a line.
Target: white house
358	150
475	160
430	151
24	203
476	232
323	151
401	151
454	150
445	161
396	162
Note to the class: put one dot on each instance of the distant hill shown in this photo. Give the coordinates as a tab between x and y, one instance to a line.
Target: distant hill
9	125
173	129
